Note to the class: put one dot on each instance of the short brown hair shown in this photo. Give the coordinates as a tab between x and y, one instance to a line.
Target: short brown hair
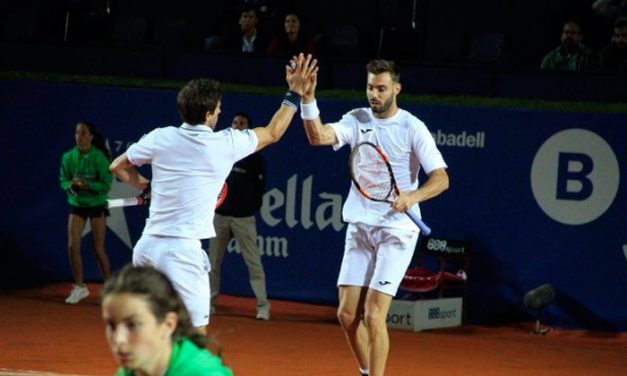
379	66
196	98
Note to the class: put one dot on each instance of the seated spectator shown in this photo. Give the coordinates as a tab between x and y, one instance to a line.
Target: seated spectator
613	58
571	55
246	38
611	9
294	40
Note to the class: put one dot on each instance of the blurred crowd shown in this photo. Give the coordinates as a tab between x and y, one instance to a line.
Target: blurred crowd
454	32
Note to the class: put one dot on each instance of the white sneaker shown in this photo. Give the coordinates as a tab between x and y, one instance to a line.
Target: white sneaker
263	312
78	293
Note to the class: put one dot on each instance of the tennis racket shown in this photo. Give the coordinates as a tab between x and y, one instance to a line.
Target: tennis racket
372	175
142	200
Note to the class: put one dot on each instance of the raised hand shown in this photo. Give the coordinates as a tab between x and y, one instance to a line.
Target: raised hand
310	88
300	71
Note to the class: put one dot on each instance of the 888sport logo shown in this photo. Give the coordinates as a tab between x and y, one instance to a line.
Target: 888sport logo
436	245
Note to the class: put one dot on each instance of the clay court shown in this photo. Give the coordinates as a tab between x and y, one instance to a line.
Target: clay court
41	335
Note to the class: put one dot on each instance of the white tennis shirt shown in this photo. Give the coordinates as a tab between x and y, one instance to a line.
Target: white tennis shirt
189	166
408	144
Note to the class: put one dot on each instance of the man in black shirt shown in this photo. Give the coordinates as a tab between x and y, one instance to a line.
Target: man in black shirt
236	218
247	37
613	58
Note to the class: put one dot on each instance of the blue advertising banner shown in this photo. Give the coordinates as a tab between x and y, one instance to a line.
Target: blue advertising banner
538	193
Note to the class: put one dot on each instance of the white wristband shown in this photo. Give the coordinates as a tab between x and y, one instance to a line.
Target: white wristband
309	111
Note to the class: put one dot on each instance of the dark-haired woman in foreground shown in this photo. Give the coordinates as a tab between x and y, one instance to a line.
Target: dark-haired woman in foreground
149	329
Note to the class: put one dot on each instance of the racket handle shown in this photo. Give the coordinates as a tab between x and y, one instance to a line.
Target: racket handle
120	202
426	230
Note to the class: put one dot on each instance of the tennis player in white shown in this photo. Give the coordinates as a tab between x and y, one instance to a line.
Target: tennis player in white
189	165
380	239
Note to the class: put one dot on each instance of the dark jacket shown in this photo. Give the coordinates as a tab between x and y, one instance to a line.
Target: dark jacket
246	184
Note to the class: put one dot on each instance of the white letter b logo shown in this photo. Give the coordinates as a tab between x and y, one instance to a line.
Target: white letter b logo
575	176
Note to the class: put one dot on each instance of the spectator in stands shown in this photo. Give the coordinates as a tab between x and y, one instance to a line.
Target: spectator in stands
611	9
613	58
86	179
571	55
247	37
149	330
293	40
235	218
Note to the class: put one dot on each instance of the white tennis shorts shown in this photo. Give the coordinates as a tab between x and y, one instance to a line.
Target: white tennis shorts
186	264
376	257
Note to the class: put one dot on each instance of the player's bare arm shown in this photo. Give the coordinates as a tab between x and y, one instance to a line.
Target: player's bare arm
127	172
297	75
318	134
437	183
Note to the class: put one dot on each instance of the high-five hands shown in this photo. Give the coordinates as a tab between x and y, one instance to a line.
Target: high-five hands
300	71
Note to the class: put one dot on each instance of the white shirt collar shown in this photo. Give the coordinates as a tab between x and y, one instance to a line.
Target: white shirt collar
198	127
249	45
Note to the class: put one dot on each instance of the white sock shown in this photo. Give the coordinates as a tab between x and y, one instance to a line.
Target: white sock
364	371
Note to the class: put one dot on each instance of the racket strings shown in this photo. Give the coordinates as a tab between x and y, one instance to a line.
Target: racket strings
371	173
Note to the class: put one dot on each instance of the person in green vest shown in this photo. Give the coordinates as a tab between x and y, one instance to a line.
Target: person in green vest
86	179
149	330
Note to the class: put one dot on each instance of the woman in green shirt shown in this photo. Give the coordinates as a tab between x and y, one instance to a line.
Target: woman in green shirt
86	178
149	329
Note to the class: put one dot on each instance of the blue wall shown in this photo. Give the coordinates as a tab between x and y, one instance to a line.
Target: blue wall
541	198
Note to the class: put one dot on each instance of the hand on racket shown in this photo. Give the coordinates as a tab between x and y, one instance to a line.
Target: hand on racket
372	174
139	200
144	199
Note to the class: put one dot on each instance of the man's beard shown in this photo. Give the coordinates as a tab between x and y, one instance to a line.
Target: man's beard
569	45
383	107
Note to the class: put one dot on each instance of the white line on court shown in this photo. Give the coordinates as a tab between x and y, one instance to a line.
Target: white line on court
21	372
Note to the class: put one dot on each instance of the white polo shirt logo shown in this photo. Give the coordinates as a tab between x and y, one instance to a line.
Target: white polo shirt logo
575	176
